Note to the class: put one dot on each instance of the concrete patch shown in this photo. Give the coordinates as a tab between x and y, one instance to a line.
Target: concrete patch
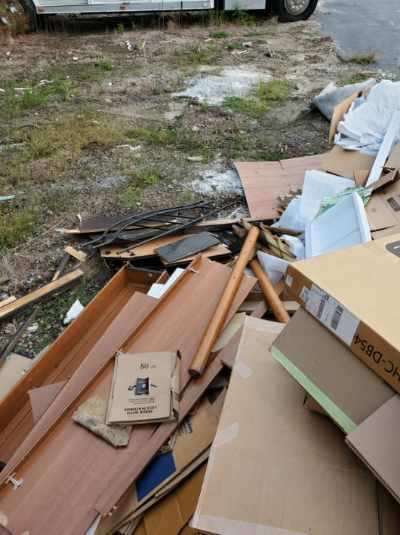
213	88
217	181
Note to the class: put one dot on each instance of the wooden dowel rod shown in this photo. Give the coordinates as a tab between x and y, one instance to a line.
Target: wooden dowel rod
221	312
271	297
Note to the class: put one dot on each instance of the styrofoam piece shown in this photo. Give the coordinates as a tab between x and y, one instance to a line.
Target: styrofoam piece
368	120
296	246
158	289
273	266
73	312
317	186
291	217
343	225
388	143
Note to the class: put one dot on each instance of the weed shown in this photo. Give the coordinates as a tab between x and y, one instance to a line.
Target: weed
154	136
360	59
219	35
195	56
355	78
243	18
248	105
16	226
138	182
31	96
120	28
104	64
234	46
275	91
261	100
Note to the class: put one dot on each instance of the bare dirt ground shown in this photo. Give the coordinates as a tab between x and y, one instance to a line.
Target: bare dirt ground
89	123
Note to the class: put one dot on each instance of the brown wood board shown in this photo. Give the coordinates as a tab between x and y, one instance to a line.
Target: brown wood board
65	355
264	182
69	451
40	293
148	250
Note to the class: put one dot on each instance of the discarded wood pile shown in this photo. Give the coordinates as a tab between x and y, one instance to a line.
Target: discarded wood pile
235	376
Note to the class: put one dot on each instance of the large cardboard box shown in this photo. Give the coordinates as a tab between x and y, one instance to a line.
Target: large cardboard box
355	293
329	371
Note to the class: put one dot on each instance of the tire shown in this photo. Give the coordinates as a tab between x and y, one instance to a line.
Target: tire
285	14
31	15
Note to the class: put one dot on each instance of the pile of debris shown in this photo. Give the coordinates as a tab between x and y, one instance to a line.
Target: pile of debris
235	375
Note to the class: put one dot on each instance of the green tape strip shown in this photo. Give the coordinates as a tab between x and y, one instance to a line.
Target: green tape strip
337	415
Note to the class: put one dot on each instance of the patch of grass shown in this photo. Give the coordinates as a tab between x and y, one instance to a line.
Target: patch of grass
195	55
16	226
261	100
361	59
27	96
355	78
153	136
120	28
179	138
247	105
49	150
234	46
219	35
138	182
104	64
243	18
273	91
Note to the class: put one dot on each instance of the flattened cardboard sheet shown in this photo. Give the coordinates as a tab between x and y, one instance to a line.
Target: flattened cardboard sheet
264	182
377	442
276	468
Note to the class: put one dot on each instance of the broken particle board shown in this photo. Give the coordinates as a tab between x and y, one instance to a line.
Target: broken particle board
265	182
60	284
79	255
66	353
298	474
346	163
148	250
70	450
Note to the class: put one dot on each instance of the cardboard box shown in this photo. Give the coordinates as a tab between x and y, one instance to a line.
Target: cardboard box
383	209
377	442
275	468
355	294
329	371
347	163
145	388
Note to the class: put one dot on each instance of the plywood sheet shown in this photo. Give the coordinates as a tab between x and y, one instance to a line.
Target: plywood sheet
264	182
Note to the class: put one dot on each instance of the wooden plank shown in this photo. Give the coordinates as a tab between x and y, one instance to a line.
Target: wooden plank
79	255
40	293
264	182
148	250
219	317
7	301
270	294
70	451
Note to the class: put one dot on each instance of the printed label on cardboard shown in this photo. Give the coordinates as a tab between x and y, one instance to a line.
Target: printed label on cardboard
330	313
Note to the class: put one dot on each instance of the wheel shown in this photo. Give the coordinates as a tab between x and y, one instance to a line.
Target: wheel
31	15
294	10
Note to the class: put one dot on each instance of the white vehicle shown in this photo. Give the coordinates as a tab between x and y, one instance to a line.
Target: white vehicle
287	10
